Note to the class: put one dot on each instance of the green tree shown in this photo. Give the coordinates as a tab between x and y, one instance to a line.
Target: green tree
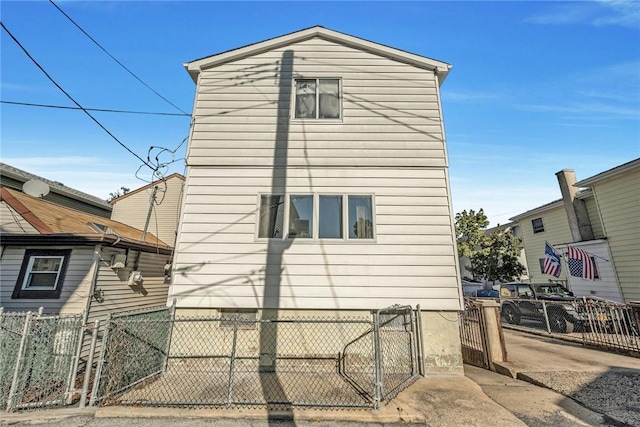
120	192
470	231
497	257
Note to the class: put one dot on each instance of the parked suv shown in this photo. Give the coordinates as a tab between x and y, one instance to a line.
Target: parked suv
521	300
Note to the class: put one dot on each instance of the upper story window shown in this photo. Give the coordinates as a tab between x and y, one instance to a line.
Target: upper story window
42	273
537	225
317	99
316	216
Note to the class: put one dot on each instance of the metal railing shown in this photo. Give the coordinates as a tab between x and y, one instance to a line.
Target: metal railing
602	324
279	363
38	359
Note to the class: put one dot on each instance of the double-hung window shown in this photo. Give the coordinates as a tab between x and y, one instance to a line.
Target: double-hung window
42	274
316	216
317	99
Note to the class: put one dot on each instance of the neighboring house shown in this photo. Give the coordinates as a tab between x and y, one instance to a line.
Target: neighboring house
600	216
11	177
317	179
154	207
70	262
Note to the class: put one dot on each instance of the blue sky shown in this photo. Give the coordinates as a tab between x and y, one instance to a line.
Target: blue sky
535	87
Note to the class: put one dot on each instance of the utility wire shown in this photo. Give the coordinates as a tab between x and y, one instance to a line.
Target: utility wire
114	58
70	97
103	110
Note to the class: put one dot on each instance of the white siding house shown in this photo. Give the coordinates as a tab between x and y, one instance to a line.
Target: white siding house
611	202
317	179
88	260
154	208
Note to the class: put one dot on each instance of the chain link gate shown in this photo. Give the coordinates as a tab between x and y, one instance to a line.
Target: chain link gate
38	359
280	363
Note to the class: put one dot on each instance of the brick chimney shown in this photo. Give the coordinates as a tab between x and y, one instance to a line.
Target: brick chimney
577	215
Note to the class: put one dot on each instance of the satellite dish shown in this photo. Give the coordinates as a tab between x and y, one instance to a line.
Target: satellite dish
36	188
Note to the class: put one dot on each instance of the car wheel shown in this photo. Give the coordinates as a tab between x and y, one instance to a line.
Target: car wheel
510	315
560	324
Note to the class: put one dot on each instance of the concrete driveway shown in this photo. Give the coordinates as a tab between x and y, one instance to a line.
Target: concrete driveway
607	383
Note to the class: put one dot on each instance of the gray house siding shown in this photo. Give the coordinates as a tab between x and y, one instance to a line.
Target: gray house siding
75	289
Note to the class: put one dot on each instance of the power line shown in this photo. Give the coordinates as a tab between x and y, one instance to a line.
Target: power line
70	97
102	110
114	58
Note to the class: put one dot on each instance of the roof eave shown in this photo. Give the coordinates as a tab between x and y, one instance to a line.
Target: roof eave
440	68
80	240
626	167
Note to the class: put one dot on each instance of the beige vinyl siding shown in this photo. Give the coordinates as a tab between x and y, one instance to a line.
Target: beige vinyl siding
390	112
221	263
12	222
556	231
75	289
594	217
118	295
619	202
133	209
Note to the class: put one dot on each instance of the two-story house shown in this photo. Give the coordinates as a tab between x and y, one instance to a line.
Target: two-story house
600	216
317	183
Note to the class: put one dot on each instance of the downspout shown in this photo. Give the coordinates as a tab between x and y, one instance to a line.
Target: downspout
93	272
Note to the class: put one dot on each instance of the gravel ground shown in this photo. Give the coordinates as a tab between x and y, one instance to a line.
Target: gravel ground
614	393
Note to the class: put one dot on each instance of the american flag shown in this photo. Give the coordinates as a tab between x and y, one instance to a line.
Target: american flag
551	263
580	264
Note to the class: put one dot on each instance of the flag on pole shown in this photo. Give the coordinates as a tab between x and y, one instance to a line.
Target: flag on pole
580	263
551	263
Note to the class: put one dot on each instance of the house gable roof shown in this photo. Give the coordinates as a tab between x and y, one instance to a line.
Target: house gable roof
440	68
150	185
54	220
626	167
56	187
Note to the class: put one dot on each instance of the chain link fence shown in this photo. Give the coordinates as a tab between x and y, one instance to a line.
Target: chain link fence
155	358
38	359
603	324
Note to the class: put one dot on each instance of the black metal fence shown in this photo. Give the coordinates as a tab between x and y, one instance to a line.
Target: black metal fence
473	337
597	323
155	358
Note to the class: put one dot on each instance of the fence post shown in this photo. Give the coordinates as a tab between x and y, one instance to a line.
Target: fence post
172	323
233	360
89	365
546	316
421	361
490	319
378	360
103	351
19	360
71	389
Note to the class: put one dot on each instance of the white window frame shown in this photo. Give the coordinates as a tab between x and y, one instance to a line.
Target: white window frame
316	218
317	118
29	271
